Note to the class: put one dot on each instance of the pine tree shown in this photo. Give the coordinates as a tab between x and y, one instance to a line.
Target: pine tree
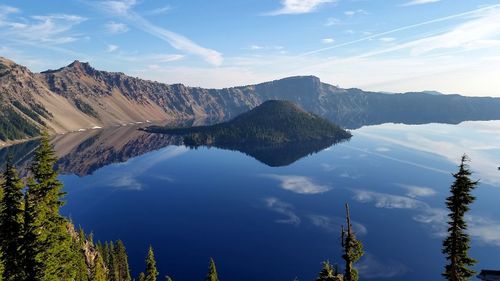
106	254
47	243
353	249
167	278
142	276
212	272
98	271
151	271
327	273
457	244
113	274
11	223
31	264
82	270
122	261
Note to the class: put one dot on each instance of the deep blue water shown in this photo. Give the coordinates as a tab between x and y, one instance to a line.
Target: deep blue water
276	223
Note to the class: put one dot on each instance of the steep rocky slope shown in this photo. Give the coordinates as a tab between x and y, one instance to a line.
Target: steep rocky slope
79	97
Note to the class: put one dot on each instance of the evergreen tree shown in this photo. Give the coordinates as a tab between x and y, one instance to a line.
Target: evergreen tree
327	273
106	253
353	249
31	265
98	271
151	271
457	244
113	268
47	243
11	223
212	272
122	261
142	276
167	278
82	270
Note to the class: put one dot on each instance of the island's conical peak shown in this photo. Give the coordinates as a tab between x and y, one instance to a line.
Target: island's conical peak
272	122
278	110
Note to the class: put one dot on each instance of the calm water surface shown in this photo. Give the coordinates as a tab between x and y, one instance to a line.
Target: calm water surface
275	223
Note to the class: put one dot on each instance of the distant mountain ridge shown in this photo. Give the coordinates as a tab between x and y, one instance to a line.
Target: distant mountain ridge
80	97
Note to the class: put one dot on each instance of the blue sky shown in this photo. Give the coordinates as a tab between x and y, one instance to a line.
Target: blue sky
451	46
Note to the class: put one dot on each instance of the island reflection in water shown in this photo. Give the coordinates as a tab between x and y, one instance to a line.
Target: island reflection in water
82	153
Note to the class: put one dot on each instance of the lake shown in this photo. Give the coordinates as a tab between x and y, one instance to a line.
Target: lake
265	219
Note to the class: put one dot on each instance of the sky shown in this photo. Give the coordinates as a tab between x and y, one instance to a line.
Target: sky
452	46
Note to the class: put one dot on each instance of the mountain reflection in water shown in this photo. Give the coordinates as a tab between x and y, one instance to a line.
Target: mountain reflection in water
83	153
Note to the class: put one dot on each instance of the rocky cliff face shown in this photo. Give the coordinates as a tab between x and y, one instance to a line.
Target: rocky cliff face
80	97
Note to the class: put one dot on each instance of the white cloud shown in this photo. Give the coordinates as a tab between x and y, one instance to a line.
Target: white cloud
299	184
167	57
355	12
387	39
111	48
482	161
116	27
127	178
475	12
479	228
283	208
121	7
6	10
159	11
332	22
177	41
256	47
487	230
371	267
327	40
417	191
382	149
334	224
298	7
420	2
150	59
328	167
387	201
41	29
127	182
481	32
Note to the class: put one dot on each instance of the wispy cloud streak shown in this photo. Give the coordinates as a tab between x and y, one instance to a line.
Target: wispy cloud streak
403	28
177	41
420	2
298	7
283	208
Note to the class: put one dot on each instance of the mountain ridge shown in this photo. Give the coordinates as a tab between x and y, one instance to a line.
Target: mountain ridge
79	96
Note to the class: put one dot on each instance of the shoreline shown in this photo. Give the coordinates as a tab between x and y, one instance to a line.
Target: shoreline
139	124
